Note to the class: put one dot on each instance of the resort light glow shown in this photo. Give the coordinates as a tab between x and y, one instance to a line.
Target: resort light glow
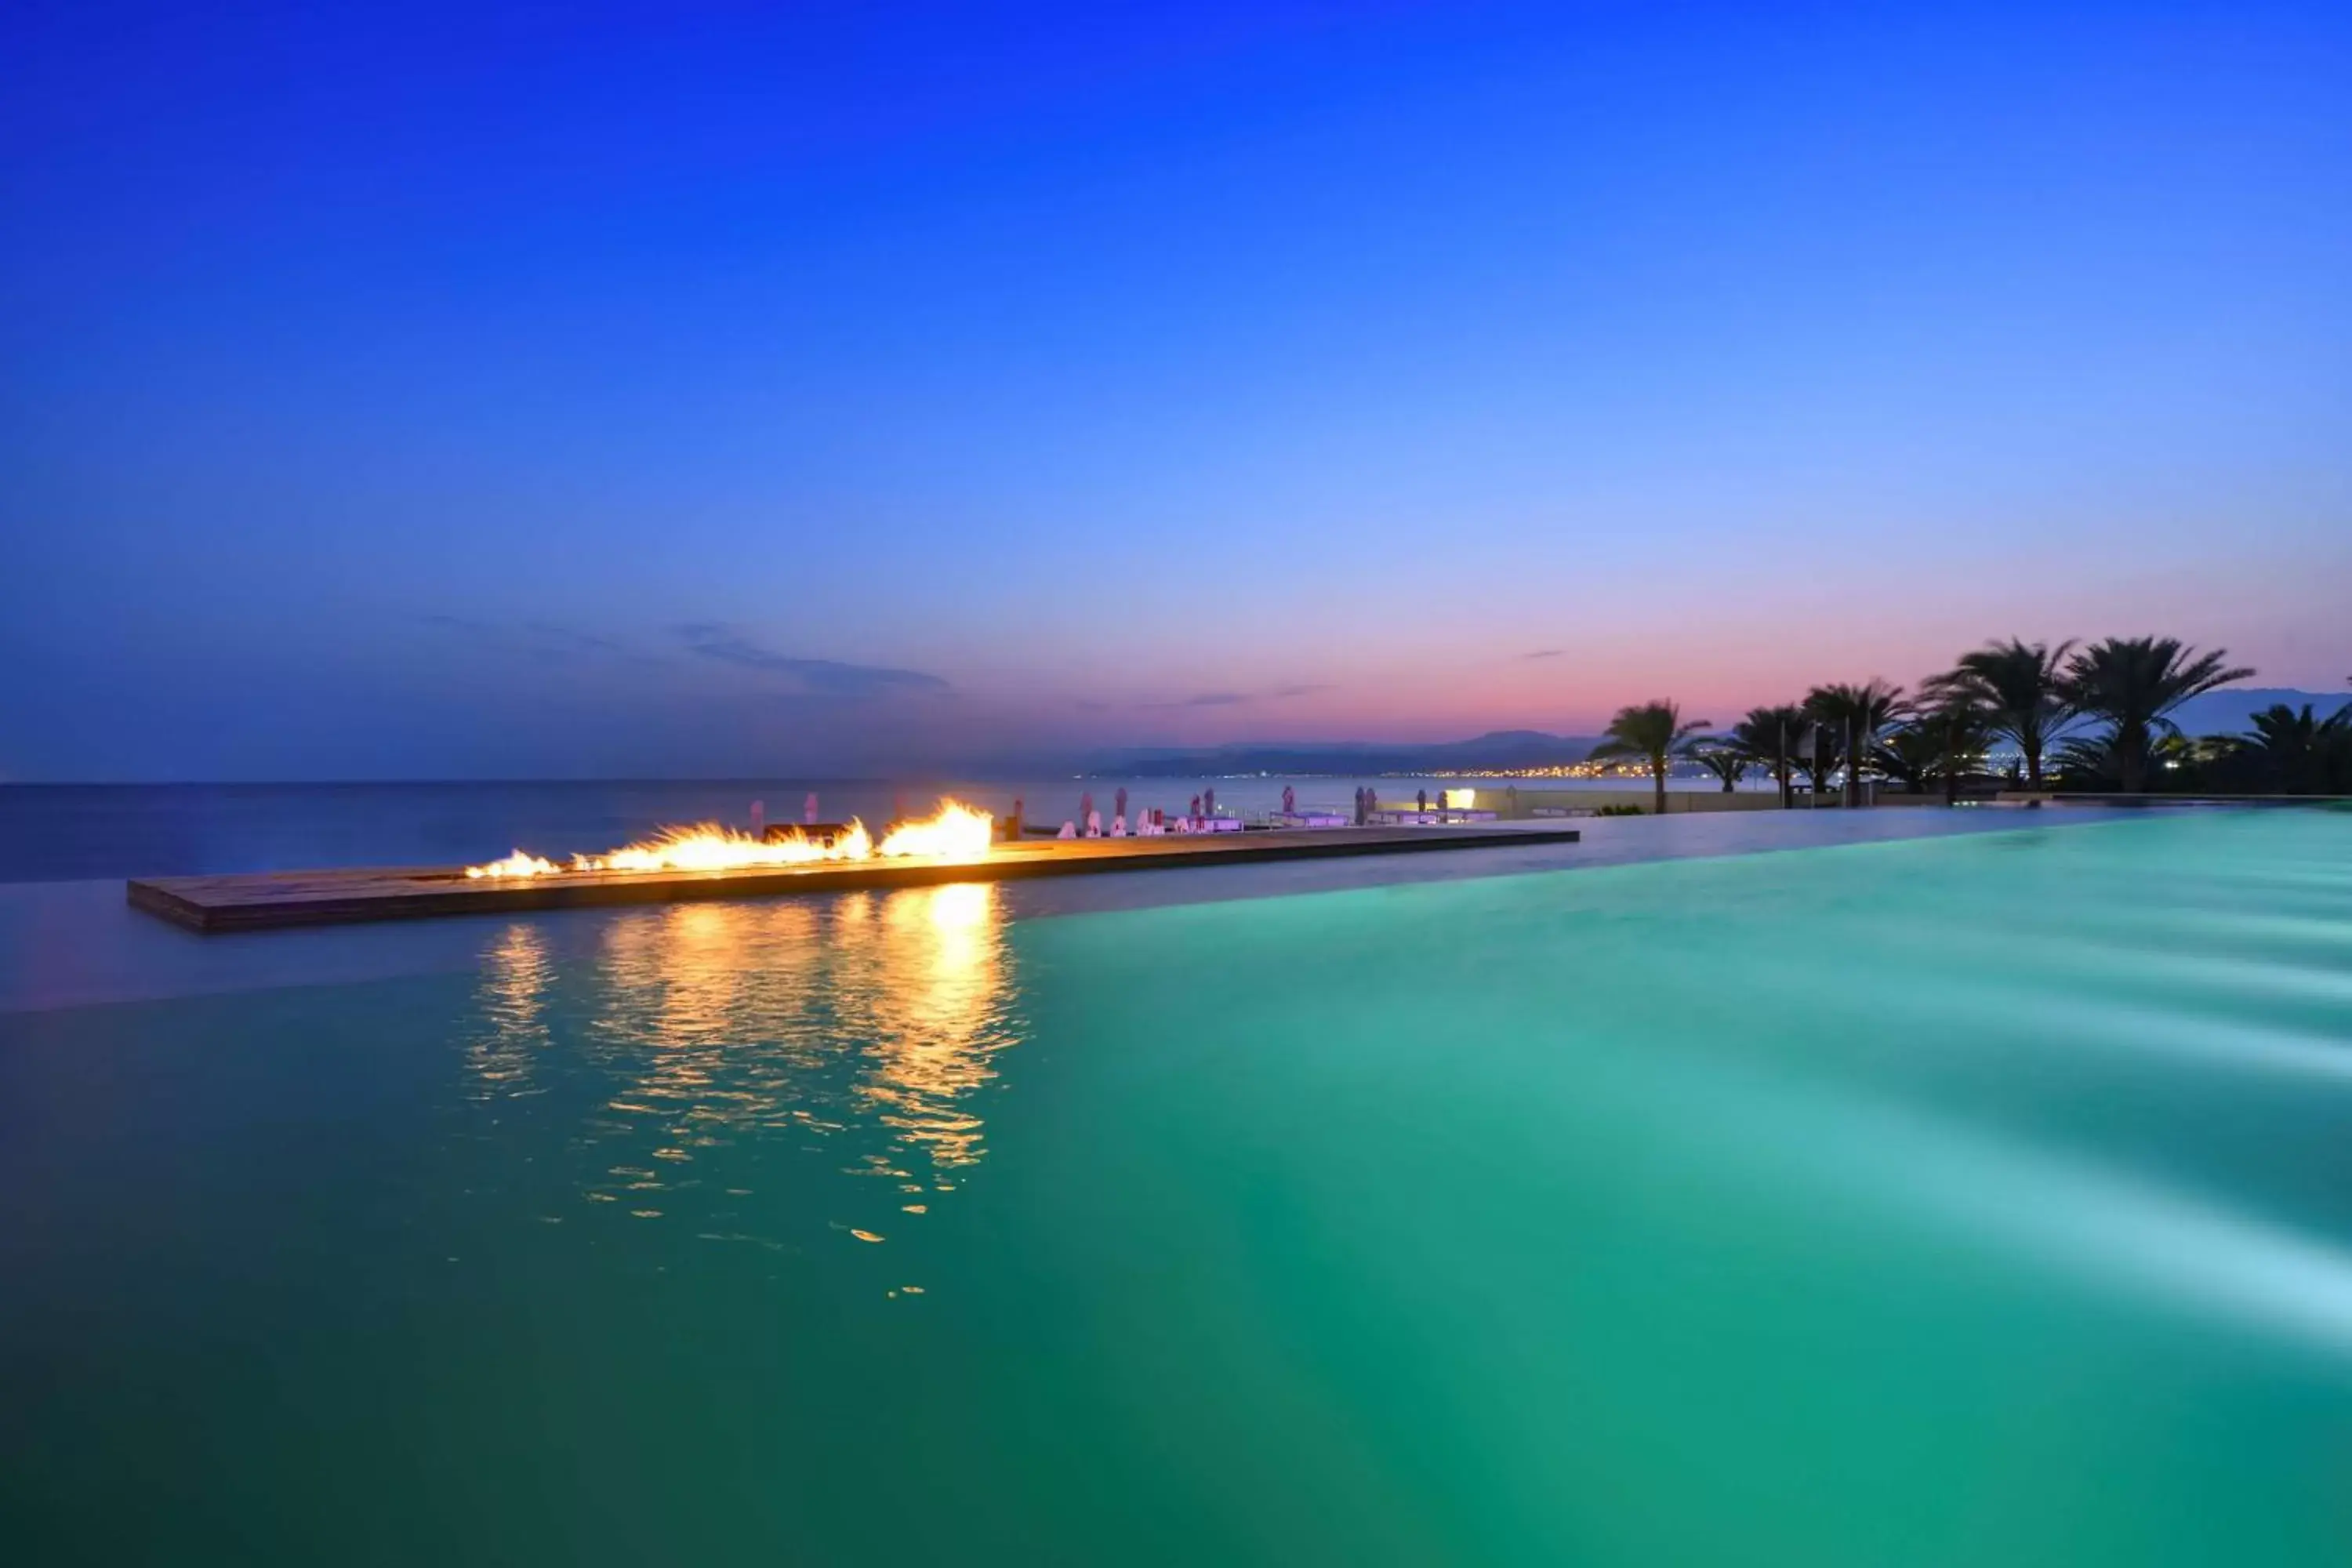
1459	799
954	832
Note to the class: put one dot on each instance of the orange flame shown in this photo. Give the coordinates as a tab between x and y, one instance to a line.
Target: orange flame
954	832
710	848
515	865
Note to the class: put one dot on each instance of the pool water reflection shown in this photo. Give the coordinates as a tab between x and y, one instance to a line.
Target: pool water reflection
863	1030
1959	1199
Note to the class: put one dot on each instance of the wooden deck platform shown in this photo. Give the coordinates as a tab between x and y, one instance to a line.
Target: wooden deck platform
269	900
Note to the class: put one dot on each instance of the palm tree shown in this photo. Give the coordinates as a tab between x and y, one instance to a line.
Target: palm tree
2296	753
1858	713
2083	759
1945	743
1653	732
1910	752
1821	754
2132	684
1726	761
1769	737
2336	755
2022	687
1962	730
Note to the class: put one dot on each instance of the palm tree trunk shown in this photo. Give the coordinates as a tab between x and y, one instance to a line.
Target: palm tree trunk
2033	764
1658	777
1853	768
2131	761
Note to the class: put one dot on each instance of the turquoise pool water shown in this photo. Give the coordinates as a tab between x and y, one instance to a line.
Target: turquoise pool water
1977	1200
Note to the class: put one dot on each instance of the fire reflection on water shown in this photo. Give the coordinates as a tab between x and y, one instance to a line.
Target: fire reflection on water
707	1045
513	1000
928	1050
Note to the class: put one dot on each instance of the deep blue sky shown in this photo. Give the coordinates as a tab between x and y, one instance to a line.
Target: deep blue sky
440	390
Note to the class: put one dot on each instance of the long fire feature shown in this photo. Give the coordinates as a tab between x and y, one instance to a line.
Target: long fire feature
954	832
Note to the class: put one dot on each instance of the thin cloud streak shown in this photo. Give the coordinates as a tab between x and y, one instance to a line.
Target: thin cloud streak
1240	699
817	676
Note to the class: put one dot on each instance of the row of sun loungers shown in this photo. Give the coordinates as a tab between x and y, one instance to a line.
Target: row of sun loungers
1146	827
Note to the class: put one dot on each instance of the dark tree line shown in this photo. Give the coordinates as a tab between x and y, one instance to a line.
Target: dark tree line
2090	716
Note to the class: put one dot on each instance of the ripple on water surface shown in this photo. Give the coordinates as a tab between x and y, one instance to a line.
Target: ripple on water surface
710	1051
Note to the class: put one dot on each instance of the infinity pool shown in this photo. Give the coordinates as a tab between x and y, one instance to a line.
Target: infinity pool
1969	1200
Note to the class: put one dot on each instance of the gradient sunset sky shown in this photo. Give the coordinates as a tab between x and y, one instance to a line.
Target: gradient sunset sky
440	391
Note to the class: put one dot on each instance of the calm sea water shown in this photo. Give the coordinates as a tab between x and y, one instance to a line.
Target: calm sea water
63	832
1973	1199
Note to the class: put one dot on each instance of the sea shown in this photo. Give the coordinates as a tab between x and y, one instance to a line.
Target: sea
52	833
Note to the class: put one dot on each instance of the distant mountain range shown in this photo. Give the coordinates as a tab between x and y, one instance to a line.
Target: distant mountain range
2227	711
1502	749
2231	710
